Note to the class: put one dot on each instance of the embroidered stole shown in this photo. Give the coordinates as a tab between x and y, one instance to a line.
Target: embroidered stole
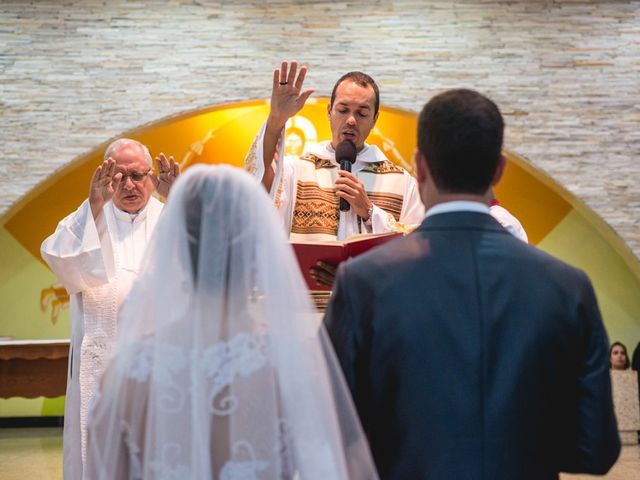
316	207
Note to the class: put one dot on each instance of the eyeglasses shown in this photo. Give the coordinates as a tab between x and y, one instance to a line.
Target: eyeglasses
136	177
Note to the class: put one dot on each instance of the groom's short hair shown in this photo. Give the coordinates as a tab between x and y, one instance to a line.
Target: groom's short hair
460	134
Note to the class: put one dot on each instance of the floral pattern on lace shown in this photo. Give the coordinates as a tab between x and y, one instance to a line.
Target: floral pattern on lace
166	469
171	360
167	362
223	362
242	469
138	366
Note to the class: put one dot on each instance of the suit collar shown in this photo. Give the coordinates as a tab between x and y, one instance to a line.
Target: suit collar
458	206
461	220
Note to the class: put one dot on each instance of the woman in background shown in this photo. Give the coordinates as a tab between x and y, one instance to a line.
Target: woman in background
618	358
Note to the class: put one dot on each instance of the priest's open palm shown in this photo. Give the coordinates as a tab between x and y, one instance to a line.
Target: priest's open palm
104	183
287	96
168	172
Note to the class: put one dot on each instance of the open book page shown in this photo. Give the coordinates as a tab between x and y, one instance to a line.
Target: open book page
335	252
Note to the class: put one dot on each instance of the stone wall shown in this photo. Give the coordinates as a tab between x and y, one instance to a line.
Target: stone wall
566	74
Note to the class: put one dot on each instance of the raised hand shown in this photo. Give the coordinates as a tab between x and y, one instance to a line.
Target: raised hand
287	96
168	172
104	183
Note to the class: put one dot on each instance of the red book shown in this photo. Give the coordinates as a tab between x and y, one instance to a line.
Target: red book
310	253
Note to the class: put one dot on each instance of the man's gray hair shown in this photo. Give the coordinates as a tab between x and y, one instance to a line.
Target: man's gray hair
123	142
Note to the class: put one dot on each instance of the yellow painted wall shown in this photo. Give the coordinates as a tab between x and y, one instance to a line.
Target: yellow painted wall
554	219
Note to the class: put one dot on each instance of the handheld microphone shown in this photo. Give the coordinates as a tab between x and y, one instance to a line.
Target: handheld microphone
345	156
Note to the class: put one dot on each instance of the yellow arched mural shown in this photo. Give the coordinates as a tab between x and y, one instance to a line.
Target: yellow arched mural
34	303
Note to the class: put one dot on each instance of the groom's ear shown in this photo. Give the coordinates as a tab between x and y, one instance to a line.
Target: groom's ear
502	163
422	172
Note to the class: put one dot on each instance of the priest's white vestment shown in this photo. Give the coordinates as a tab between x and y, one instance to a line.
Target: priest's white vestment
97	262
304	192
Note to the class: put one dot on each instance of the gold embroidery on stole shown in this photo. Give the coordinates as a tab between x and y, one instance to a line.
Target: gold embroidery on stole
316	208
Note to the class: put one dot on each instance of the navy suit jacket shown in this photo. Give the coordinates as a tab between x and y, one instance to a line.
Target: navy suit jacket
472	355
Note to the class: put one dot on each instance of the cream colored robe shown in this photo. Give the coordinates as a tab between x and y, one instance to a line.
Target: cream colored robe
96	261
304	192
508	221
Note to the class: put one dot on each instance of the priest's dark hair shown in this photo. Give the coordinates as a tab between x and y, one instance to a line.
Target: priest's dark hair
361	79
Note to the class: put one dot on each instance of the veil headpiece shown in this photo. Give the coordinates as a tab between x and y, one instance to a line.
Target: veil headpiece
222	368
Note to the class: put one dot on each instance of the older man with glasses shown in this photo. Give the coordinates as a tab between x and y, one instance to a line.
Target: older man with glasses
96	252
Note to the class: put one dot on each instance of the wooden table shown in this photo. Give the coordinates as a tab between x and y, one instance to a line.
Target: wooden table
33	368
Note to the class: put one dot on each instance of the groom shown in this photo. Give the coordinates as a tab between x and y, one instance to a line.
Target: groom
469	353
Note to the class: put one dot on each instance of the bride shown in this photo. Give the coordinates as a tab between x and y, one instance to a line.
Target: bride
222	369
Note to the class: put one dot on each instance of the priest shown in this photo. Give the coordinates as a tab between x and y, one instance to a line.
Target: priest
95	252
382	196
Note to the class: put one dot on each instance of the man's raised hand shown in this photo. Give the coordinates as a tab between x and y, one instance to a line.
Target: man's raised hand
168	172
104	183
287	96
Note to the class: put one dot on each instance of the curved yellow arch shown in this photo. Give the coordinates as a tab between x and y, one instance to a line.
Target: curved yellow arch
555	220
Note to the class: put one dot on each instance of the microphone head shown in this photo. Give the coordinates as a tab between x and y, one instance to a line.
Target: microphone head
346	151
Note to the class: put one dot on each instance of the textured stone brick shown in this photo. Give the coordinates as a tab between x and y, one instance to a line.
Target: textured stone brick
566	74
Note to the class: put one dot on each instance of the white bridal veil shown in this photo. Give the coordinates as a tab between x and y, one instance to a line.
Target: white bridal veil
221	369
